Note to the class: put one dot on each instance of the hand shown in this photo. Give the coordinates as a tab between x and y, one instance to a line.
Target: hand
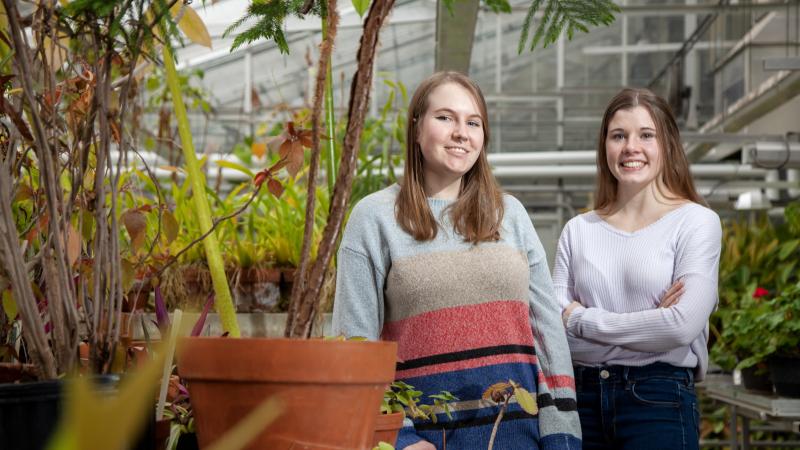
672	296
421	445
568	310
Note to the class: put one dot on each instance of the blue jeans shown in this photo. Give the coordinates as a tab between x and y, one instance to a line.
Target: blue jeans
651	407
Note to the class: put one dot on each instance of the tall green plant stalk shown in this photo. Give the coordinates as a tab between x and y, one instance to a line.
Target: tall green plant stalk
330	120
223	301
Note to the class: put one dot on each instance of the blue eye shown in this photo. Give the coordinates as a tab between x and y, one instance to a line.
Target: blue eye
617	137
442	117
474	123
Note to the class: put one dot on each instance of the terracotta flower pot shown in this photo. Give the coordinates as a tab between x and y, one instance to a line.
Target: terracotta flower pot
387	426
330	390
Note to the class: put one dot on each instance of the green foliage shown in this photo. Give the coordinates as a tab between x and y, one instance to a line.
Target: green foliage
572	15
402	397
758	291
361	6
269	16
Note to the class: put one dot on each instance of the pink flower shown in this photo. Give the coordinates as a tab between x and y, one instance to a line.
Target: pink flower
760	292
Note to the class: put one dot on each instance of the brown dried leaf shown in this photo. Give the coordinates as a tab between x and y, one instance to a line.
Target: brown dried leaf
295	159
285	148
497	392
73	245
136	223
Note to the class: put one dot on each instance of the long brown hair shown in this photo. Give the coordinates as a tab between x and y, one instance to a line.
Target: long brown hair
674	171
478	211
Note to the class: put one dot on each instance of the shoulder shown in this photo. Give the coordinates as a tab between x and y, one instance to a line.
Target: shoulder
371	214
695	216
374	207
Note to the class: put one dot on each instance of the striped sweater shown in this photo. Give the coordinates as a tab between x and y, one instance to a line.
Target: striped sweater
464	317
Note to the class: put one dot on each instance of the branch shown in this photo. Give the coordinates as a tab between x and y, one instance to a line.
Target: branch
326	47
357	110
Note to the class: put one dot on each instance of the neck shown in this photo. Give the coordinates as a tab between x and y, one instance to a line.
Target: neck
640	200
441	189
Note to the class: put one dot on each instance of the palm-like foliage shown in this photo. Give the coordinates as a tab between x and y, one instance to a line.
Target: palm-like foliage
559	15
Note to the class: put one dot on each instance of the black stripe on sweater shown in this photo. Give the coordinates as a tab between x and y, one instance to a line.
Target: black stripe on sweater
465	354
544	400
473	422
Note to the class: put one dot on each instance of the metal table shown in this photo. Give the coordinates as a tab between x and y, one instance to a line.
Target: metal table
752	405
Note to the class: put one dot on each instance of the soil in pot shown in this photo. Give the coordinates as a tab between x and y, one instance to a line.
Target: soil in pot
387	426
330	390
756	378
785	375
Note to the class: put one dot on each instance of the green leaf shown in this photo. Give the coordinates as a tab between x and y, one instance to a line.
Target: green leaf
235	166
526	401
787	248
9	305
361	6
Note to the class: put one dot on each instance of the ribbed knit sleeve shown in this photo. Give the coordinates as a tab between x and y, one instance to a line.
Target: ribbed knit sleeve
559	425
663	329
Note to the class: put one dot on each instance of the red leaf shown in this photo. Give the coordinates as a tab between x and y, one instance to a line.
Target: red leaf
295	159
290	129
258	180
275	187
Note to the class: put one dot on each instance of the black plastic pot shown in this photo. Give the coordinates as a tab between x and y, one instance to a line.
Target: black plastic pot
785	375
756	379
29	413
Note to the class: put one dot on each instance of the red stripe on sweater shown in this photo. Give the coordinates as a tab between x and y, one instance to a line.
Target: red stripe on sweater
467	364
557	381
460	328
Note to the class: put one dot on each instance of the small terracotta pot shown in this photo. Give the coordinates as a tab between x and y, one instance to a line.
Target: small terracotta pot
329	390
387	426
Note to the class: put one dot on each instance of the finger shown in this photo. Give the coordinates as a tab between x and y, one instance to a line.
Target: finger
672	299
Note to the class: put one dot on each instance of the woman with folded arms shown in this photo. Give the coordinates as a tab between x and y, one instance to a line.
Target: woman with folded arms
637	280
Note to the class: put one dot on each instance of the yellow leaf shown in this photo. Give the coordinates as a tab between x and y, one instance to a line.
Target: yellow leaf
9	305
526	401
170	226
191	24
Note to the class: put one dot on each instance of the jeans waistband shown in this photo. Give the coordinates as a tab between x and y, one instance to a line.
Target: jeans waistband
615	373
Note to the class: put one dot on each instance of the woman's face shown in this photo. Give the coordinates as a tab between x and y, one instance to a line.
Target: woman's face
450	134
632	150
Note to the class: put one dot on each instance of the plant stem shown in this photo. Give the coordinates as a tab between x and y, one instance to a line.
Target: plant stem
224	301
357	110
497	422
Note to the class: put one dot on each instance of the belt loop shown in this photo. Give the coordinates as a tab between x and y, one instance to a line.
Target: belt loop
625	372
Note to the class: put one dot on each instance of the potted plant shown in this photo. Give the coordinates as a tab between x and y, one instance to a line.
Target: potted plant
401	400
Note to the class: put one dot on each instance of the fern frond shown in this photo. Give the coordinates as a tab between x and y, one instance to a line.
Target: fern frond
571	15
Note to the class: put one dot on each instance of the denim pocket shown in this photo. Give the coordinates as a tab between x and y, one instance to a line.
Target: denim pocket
656	391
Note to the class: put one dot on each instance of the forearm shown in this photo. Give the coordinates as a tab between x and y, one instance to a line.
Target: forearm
654	330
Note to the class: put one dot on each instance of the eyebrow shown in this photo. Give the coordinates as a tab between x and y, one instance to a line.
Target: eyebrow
641	129
446	109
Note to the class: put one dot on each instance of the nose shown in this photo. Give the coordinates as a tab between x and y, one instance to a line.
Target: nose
459	132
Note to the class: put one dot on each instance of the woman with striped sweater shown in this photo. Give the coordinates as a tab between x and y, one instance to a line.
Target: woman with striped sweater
451	269
637	281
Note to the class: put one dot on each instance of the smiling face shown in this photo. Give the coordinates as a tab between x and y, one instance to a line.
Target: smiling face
633	151
450	137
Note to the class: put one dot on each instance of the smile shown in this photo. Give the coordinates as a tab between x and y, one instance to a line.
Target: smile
459	150
632	164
